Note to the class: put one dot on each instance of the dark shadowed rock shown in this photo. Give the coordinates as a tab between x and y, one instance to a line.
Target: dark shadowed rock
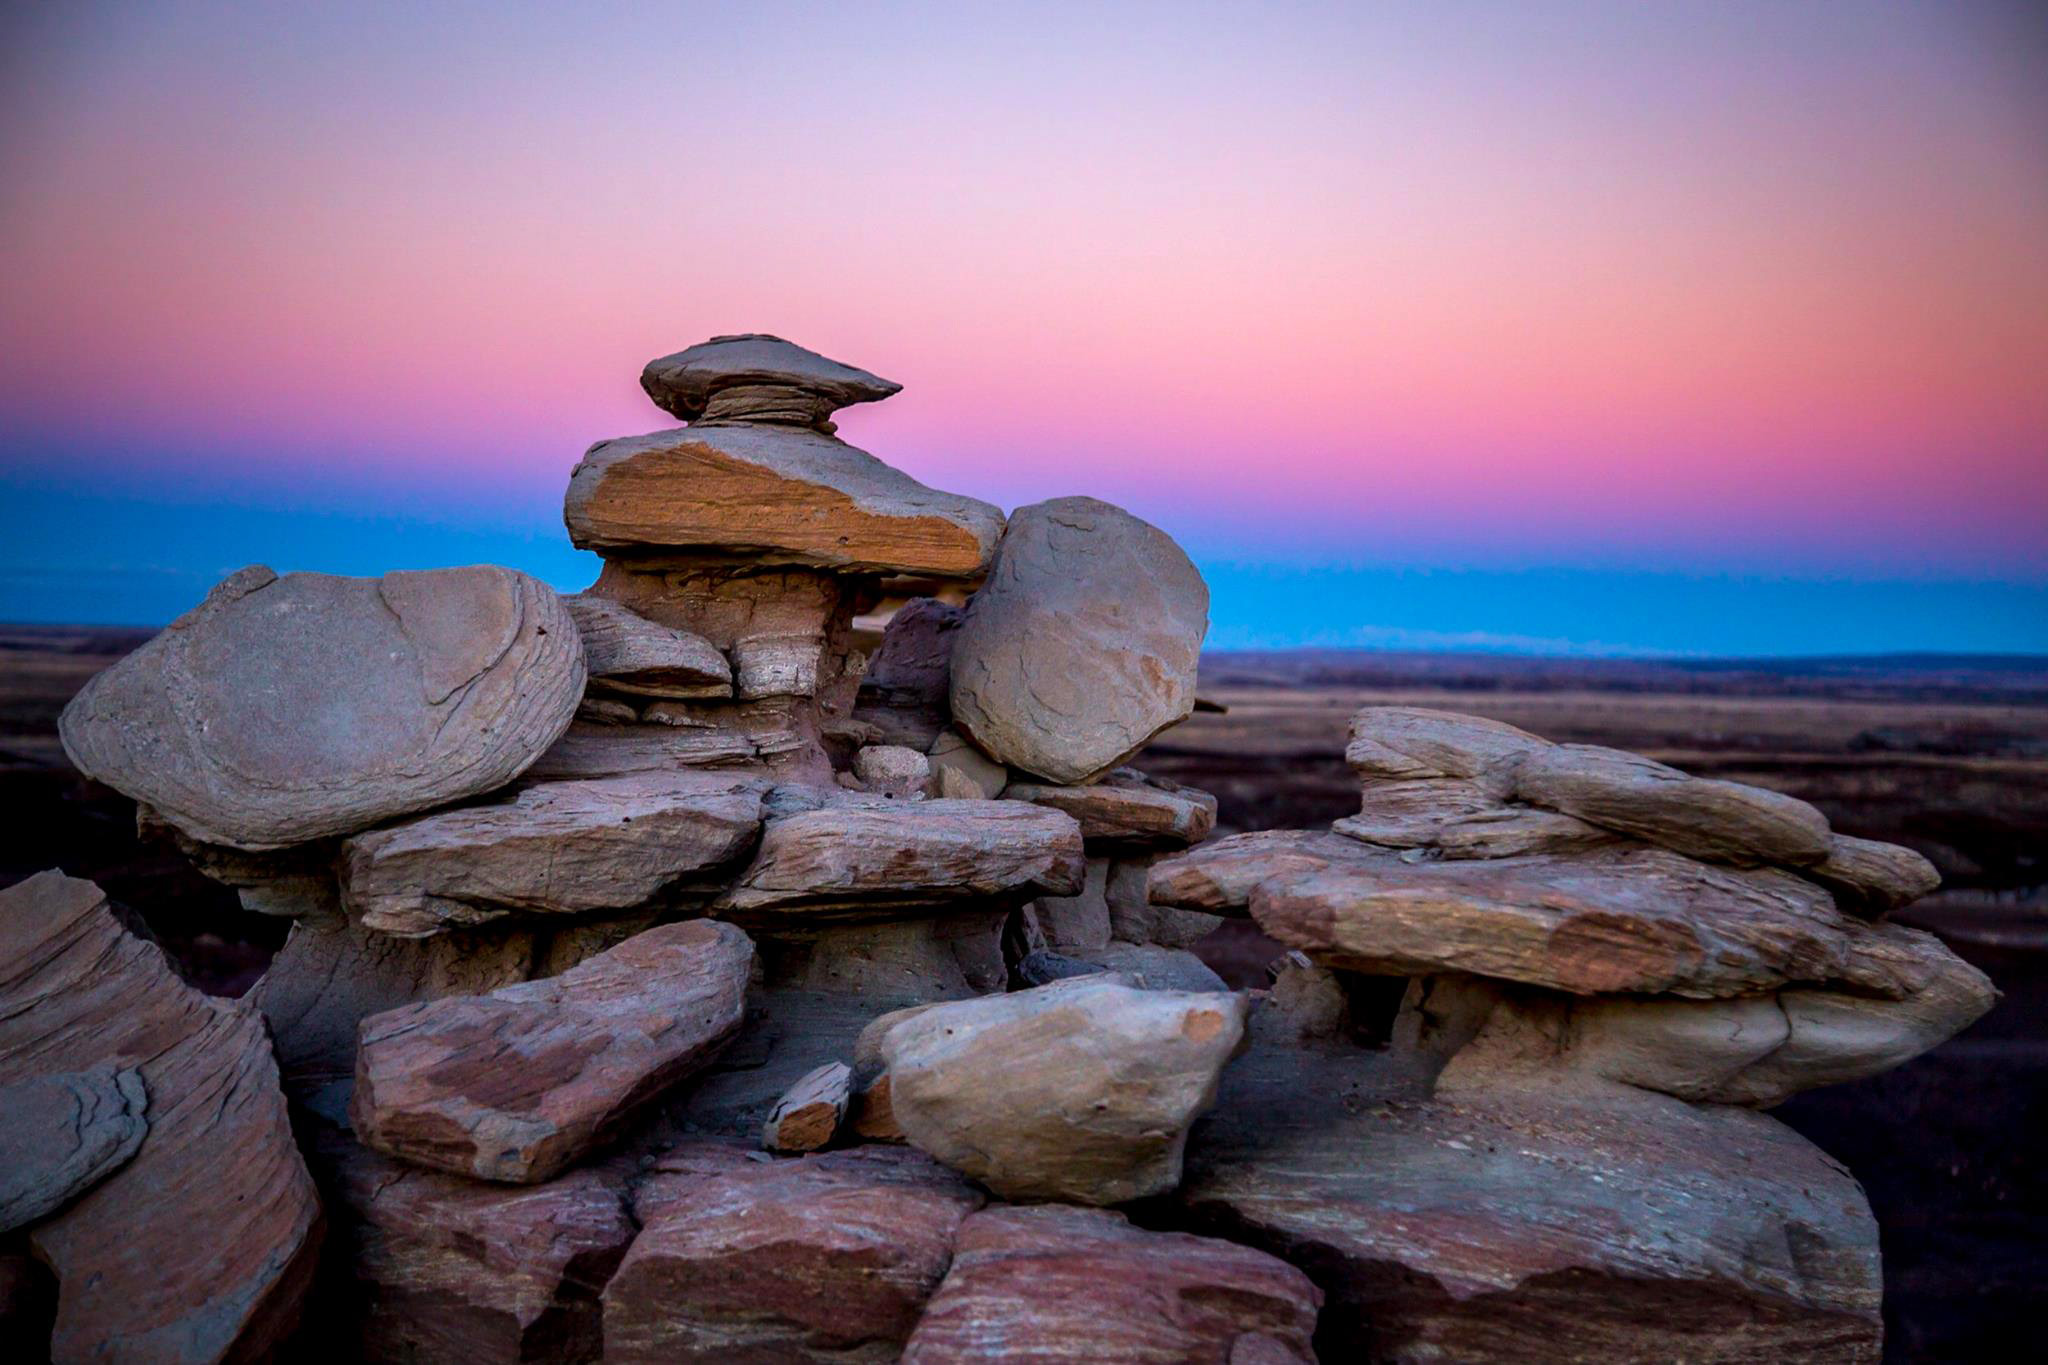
903	692
200	1246
556	848
626	653
755	377
825	1258
881	859
1057	1283
517	1084
1082	644
1082	1090
282	710
63	1133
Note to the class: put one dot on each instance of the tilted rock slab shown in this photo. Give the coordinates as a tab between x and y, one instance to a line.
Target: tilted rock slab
517	1084
1057	1283
883	859
825	1258
809	1112
282	710
555	848
62	1134
201	1246
1619	1226
1082	645
1128	810
1082	1090
628	654
1622	918
773	495
450	1271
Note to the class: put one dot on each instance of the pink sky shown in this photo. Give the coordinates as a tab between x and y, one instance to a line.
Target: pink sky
1741	286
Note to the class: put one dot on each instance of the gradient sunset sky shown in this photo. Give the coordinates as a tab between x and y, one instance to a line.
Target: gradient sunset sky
1716	327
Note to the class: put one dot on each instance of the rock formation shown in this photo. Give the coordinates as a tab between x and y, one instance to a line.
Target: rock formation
668	981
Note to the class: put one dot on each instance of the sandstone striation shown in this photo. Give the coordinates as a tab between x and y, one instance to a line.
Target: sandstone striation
61	1134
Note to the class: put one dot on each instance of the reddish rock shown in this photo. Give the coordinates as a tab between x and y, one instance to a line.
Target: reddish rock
1128	810
1057	1283
821	1258
807	1116
201	1246
450	1270
517	1084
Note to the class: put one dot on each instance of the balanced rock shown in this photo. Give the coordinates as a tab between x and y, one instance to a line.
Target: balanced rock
884	859
449	1271
754	377
809	1113
555	848
1081	1091
200	1246
626	653
825	1258
1128	810
773	495
1082	644
282	710
515	1085
1057	1283
62	1134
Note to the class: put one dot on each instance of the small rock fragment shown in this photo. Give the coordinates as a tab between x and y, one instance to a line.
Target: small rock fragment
962	772
893	771
808	1114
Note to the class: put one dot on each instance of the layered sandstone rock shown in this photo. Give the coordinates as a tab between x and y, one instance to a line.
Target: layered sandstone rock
514	1085
216	1170
61	1134
282	710
1056	1283
1128	810
1082	645
630	656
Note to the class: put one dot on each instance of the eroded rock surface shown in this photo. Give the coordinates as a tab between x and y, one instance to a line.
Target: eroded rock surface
1082	644
1128	810
515	1085
755	377
627	654
61	1134
282	710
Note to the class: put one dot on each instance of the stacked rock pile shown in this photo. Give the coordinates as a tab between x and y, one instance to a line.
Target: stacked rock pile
667	981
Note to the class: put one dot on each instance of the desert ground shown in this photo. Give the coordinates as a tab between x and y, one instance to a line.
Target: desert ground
1948	756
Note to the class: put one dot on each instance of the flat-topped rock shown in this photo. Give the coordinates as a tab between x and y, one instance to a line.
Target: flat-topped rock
63	1133
884	859
515	1085
556	848
1082	1090
773	495
457	1271
282	710
627	654
1056	1283
754	377
217	1171
1082	644
825	1258
1128	810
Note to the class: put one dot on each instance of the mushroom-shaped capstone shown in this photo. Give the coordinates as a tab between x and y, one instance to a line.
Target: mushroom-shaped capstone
758	378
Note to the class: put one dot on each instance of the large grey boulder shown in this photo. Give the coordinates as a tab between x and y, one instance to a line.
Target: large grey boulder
286	709
1082	645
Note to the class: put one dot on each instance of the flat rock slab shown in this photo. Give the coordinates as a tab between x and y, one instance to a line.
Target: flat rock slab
1535	1226
825	1258
757	377
1082	644
881	859
627	654
1081	1090
64	1133
1057	1283
200	1246
515	1085
1128	810
556	848
282	710
773	495
450	1271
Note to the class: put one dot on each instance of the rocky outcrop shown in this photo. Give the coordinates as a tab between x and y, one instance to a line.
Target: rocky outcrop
1082	1090
1082	645
1055	1283
825	1258
216	1169
283	710
604	846
514	1085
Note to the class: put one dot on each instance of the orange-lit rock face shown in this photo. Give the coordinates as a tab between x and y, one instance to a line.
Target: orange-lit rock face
773	495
